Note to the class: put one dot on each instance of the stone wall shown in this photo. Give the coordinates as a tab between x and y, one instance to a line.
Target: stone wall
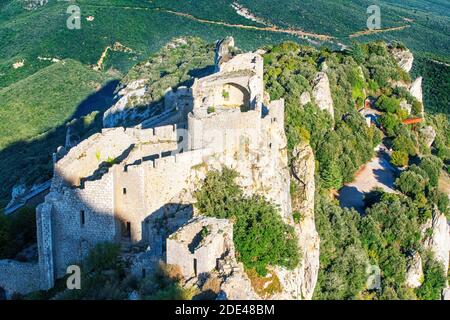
45	245
197	246
19	277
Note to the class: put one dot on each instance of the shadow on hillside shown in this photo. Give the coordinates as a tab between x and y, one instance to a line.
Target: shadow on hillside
30	161
351	197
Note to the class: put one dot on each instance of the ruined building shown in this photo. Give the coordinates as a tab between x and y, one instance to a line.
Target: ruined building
136	184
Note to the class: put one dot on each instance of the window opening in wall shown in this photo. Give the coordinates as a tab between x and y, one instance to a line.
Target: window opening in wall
195	267
82	217
124	190
128	229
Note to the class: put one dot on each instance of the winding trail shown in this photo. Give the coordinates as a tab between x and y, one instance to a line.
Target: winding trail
267	28
291	31
294	32
369	32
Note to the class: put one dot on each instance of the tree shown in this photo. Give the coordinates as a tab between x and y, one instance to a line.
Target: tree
404	143
357	52
390	122
411	183
399	158
432	166
331	176
388	104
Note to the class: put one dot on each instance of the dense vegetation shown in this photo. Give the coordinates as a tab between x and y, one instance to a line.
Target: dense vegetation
390	229
343	260
340	147
261	237
17	232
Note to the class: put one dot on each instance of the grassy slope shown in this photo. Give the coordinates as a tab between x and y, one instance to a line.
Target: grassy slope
33	114
47	98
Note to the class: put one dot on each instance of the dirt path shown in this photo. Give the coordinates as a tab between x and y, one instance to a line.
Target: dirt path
291	31
116	47
294	32
369	32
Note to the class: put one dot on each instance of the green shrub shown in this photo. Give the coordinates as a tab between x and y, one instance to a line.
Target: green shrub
399	158
434	280
261	237
388	104
17	231
103	257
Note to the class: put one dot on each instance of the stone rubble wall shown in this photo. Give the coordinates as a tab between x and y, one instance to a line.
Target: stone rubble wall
19	277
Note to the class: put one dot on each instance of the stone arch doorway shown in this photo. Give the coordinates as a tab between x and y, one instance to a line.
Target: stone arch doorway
232	95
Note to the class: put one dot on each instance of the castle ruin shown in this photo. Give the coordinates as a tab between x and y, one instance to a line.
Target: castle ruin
136	184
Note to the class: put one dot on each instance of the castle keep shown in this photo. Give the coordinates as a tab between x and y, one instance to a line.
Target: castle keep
135	184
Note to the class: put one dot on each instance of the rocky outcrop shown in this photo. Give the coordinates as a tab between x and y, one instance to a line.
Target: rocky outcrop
223	51
404	105
303	169
33	4
300	283
414	273
305	98
446	294
439	241
416	89
237	285
404	58
322	93
117	114
428	134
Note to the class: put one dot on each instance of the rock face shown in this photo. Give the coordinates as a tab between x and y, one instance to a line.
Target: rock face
414	273
404	59
223	51
416	89
428	134
446	294
322	93
33	4
305	98
439	241
300	283
404	105
117	114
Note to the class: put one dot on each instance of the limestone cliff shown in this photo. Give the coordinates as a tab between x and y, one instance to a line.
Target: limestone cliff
414	272
302	174
322	93
416	89
118	113
439	241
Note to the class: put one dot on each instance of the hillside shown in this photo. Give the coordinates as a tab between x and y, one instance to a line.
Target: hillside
402	233
33	117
